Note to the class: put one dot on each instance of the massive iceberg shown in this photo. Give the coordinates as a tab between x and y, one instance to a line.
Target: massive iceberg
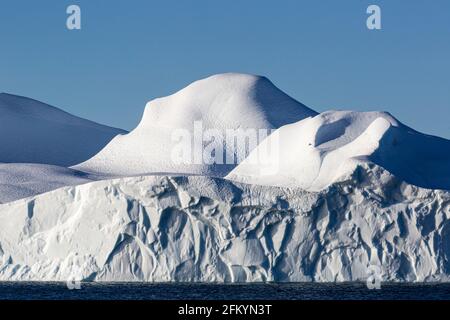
161	228
342	195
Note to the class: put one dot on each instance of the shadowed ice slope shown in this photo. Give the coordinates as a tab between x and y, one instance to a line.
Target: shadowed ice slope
313	153
220	102
34	132
21	180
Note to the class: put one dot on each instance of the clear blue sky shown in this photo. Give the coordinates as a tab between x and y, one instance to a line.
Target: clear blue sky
318	51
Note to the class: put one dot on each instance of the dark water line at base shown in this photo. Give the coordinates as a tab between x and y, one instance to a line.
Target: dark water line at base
235	291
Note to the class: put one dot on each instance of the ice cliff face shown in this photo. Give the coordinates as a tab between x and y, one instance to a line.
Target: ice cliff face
203	229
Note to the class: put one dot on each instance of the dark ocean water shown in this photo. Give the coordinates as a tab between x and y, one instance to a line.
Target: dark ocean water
189	291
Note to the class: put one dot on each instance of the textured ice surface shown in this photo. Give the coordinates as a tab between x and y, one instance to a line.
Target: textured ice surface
203	229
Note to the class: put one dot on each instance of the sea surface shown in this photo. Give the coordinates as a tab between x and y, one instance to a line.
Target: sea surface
202	291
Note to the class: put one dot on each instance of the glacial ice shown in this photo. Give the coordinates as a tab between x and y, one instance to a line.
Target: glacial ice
163	228
344	192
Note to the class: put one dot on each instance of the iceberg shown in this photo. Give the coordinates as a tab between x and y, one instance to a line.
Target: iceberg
324	197
168	228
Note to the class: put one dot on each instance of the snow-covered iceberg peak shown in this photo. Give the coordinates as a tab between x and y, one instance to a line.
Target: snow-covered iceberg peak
230	100
221	102
315	152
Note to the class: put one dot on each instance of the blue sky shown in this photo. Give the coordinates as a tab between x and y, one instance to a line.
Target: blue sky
318	51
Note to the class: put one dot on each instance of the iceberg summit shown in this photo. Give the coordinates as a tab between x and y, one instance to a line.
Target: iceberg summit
269	191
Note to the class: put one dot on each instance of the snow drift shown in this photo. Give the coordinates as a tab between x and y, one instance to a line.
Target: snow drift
315	152
220	102
34	132
204	229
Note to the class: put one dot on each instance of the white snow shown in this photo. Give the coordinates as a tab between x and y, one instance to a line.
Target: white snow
220	102
315	152
34	132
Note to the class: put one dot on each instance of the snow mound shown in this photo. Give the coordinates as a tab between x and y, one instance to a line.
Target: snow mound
204	229
315	152
21	180
220	102
34	132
